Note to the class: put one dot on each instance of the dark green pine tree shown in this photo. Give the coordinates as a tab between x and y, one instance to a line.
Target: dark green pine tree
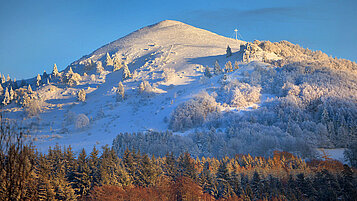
147	174
223	177
94	163
257	185
112	170
208	72
305	186
45	189
207	181
130	164
170	166
228	51
82	175
187	166
348	184
235	183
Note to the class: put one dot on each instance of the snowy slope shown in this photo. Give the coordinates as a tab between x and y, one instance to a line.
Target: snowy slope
148	51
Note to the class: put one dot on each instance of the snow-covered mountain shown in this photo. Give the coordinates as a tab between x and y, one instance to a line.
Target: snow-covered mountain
170	63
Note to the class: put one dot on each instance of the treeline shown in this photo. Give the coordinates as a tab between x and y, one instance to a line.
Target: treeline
60	175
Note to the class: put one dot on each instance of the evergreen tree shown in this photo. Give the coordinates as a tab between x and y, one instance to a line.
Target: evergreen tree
44	75
228	51
207	72
94	165
126	72
117	64
55	71
141	87
8	79
38	80
81	95
236	65
12	94
6	97
217	68
29	89
108	60
1	89
170	166
187	166
228	67
120	92
82	175
3	80
99	67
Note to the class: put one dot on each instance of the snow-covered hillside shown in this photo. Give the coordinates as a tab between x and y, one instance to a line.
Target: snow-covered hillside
167	66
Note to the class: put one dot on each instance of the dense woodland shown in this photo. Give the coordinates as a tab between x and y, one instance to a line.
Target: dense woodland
60	174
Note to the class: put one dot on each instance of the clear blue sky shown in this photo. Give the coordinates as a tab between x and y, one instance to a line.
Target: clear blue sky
35	34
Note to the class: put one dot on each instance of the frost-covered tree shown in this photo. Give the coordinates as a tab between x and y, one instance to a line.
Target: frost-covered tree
99	67
228	51
236	65
120	92
217	68
29	89
126	72
6	99
1	89
82	121
117	64
108	60
3	80
55	71
141	87
38	80
12	94
81	95
208	72
8	79
33	107
71	78
228	67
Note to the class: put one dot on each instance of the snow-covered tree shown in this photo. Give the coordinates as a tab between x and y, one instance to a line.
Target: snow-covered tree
117	63
8	78
208	72
12	94
3	79
108	60
71	78
228	67
217	68
126	72
38	80
228	51
29	89
6	99
33	107
141	87
1	89
81	95
82	121
236	65
99	67
120	92
55	71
